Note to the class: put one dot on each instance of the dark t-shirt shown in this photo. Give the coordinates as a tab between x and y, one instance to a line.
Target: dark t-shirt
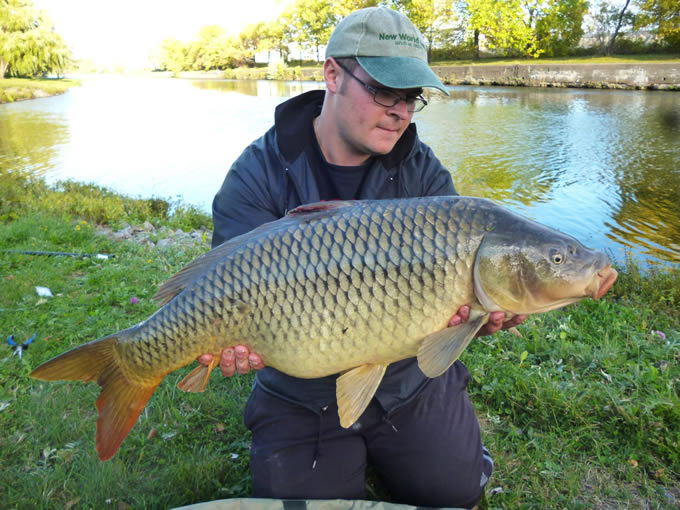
339	182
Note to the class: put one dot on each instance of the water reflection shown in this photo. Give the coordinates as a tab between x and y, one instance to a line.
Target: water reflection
260	88
603	166
29	139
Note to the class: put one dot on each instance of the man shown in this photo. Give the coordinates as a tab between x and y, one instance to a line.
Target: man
354	141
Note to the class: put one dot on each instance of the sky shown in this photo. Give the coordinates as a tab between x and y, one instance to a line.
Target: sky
126	32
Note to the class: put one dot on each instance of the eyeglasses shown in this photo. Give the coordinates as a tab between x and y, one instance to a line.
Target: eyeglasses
389	98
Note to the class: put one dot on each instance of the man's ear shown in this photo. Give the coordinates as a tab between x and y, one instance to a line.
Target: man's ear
331	75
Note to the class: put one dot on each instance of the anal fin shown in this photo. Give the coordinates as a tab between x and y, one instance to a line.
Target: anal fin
355	389
440	350
197	380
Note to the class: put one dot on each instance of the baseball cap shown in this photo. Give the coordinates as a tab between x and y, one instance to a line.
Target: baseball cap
387	46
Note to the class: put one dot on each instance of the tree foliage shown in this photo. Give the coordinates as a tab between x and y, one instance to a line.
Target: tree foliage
557	24
436	19
28	44
503	23
527	28
663	17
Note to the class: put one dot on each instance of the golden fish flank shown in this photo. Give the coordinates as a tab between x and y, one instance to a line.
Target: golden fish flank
338	287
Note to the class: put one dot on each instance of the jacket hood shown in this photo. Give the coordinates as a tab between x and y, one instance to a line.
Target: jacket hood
294	129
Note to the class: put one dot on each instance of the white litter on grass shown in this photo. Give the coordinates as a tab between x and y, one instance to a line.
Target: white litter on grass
44	292
234	456
4	405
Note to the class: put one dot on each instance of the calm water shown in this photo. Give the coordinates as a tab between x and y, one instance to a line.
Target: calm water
603	166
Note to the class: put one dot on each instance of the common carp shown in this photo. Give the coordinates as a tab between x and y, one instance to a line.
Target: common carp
338	288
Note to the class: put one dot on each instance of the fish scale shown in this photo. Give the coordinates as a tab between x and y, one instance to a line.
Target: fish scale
338	288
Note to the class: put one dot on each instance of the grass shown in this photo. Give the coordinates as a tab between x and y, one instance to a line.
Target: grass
582	412
17	89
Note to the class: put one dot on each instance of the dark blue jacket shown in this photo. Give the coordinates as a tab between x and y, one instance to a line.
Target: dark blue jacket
277	173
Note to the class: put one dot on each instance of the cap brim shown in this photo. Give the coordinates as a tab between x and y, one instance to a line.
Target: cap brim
401	72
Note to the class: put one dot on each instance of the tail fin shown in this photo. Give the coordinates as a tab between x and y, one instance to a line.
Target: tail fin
121	399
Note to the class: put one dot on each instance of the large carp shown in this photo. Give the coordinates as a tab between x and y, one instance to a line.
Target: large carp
338	288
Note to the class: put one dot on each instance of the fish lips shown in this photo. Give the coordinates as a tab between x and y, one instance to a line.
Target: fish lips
605	279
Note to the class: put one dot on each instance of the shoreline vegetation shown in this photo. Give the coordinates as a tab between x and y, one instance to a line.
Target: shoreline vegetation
509	74
20	89
581	411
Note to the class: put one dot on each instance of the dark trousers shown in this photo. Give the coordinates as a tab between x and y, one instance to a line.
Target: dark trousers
427	452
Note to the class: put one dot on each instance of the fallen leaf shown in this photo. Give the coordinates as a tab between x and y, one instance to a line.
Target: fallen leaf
152	433
633	462
219	427
71	503
659	472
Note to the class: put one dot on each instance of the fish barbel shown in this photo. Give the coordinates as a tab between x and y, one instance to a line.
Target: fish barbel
338	288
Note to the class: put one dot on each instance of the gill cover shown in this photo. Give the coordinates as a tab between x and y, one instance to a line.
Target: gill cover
533	271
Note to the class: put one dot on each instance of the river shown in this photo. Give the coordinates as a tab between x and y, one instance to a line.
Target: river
602	165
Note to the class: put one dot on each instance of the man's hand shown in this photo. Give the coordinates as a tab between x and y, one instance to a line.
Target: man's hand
238	359
495	321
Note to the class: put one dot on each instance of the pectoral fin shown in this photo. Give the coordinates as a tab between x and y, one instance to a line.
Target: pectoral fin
355	389
198	378
441	349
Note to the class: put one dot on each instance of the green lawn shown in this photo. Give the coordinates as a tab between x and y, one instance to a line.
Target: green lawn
583	411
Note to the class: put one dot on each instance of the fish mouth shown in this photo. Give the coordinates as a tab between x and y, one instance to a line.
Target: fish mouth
605	278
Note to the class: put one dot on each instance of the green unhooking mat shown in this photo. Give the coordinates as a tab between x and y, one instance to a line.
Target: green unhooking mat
298	504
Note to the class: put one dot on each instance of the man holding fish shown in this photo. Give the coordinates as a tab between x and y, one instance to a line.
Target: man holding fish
354	141
346	302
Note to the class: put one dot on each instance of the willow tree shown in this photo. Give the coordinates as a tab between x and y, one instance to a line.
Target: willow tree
28	44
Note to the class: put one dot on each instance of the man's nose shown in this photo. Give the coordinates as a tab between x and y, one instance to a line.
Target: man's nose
400	109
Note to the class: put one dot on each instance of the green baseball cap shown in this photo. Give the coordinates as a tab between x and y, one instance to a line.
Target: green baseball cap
387	45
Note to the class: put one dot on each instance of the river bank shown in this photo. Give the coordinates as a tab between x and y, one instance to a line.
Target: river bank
20	89
602	75
614	446
629	76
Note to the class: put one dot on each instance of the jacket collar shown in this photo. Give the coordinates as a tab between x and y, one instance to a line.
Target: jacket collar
294	129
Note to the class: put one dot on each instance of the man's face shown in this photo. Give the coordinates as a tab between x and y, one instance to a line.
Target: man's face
366	127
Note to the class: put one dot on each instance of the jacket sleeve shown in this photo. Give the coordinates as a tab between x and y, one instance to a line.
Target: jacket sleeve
245	200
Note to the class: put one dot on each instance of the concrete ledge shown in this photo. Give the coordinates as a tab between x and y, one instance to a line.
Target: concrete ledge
657	76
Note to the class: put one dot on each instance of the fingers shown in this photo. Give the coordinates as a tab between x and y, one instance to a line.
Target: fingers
239	359
515	321
205	359
462	315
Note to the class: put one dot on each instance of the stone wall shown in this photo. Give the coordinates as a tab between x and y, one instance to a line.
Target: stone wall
660	76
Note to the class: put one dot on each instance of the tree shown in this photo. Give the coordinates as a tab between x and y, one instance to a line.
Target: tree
28	44
434	18
607	21
253	39
662	16
503	25
310	23
619	23
173	56
557	24
275	38
213	48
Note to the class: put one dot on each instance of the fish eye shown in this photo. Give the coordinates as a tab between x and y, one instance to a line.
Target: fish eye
556	257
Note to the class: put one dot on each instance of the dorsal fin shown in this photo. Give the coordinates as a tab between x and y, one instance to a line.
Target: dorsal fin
200	265
321	207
